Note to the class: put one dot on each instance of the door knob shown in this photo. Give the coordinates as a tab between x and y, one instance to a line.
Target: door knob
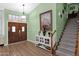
19	31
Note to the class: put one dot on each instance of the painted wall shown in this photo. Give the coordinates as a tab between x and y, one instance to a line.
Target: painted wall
73	5
60	22
34	20
1	26
1	22
6	13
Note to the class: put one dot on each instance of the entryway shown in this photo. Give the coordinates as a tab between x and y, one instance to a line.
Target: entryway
17	32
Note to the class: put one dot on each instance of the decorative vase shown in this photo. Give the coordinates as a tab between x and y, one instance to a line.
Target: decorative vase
49	34
44	33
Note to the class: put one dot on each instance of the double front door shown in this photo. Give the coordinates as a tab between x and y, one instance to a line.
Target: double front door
17	32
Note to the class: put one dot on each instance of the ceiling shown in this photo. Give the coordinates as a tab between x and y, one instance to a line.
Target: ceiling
28	7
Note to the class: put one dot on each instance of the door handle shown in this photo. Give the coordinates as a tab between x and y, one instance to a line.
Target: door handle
19	31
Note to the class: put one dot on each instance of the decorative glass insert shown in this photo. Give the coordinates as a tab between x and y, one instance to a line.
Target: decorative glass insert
13	29
13	17
16	18
23	29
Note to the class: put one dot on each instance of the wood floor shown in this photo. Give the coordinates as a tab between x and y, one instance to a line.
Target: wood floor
24	48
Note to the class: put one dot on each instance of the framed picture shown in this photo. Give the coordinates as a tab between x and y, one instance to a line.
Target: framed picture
46	21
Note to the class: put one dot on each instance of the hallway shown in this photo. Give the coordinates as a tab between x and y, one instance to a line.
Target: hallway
68	41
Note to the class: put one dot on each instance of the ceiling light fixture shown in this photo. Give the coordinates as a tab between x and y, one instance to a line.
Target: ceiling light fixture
23	16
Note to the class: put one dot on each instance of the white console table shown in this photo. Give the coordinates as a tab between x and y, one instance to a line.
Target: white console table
43	42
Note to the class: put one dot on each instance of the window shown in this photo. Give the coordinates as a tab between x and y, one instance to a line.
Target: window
23	29
16	18
13	29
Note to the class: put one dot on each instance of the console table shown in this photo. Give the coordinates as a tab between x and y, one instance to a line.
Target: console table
43	42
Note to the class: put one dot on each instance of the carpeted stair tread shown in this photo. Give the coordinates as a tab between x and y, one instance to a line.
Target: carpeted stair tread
60	53
67	45
68	41
71	39
66	50
70	44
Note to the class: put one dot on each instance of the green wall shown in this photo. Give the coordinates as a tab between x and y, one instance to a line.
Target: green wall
34	20
6	13
73	5
60	22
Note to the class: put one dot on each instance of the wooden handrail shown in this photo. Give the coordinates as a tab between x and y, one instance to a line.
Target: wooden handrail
53	47
53	33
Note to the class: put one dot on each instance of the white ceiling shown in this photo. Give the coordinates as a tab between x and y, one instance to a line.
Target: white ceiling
18	6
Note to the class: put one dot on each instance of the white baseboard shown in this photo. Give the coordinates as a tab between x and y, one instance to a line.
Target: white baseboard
31	41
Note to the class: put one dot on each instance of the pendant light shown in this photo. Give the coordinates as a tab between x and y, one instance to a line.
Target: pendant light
23	16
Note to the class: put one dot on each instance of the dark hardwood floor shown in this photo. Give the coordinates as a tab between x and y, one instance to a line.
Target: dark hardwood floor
23	48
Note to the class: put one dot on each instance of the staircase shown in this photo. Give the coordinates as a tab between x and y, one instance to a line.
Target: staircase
68	41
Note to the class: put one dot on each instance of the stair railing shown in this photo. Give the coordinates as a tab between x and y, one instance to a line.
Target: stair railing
53	48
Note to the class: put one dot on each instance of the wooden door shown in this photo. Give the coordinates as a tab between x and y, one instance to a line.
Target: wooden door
16	32
12	32
22	31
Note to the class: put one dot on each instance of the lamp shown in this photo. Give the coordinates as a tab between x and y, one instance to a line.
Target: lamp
23	16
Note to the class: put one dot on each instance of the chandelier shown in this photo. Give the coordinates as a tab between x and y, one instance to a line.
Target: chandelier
23	16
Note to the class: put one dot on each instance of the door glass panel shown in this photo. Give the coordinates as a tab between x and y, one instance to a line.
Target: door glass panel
13	29
23	29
